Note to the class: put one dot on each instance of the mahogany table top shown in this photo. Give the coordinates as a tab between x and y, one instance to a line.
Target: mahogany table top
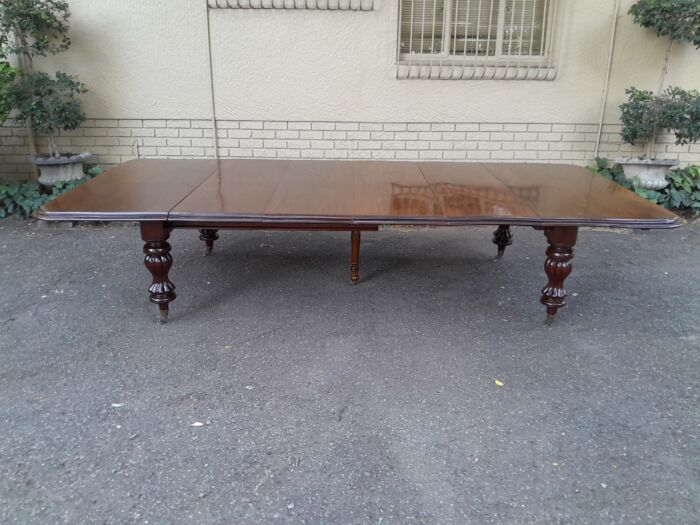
356	193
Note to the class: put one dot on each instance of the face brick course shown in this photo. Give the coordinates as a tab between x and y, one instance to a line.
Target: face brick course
113	141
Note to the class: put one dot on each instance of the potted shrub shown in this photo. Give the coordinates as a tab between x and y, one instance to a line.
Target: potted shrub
49	105
646	114
46	104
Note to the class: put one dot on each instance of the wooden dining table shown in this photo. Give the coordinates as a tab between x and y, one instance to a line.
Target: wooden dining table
355	197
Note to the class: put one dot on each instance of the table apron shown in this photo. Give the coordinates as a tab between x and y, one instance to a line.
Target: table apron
213	225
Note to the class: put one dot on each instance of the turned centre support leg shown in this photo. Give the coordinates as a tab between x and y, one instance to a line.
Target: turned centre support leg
502	237
355	238
158	261
557	266
209	236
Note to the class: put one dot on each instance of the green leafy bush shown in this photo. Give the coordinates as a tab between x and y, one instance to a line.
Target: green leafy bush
683	113
7	77
41	26
682	193
645	114
614	173
676	19
641	116
21	200
49	104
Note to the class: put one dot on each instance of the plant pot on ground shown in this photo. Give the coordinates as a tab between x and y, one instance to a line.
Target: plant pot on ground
64	168
649	174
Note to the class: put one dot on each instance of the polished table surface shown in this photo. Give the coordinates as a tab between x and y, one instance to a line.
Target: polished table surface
356	193
354	196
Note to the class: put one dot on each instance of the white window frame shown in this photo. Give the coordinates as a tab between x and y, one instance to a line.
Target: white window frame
446	65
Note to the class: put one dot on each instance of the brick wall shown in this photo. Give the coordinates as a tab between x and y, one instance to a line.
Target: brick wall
114	141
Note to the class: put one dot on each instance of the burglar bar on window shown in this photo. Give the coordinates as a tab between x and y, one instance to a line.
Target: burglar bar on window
476	39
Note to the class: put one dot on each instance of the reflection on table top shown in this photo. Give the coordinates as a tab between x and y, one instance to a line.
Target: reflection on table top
356	192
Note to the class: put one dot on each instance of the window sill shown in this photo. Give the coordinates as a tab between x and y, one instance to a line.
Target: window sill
319	5
520	71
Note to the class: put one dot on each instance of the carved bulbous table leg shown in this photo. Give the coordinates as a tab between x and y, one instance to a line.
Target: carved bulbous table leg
209	236
502	237
557	266
355	237
158	261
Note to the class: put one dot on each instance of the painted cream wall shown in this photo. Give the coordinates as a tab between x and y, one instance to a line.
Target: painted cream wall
147	59
139	58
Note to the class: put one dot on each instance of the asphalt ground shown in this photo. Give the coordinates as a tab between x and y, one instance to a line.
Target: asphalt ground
326	403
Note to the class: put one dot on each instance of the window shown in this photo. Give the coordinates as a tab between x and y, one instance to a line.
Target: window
506	39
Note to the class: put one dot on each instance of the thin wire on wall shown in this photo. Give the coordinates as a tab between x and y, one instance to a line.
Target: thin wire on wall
212	91
606	87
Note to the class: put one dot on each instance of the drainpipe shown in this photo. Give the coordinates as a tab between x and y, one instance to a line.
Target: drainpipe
606	87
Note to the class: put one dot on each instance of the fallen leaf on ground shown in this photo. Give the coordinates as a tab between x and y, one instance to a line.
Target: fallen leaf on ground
498	383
